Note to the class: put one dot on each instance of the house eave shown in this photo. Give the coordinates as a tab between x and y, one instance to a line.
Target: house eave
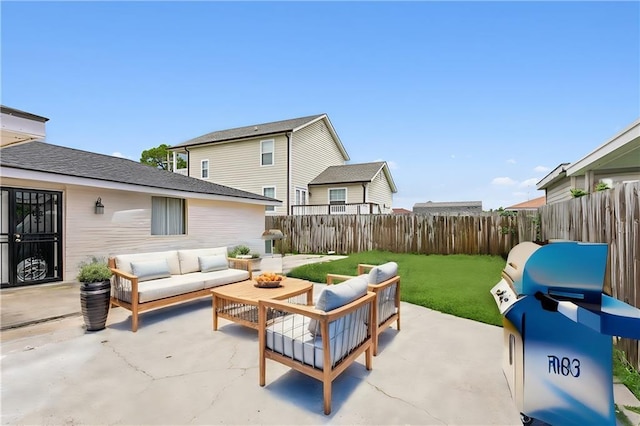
62	179
622	144
554	176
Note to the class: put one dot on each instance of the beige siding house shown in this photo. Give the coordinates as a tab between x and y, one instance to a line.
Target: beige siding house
291	160
275	159
615	162
365	188
61	206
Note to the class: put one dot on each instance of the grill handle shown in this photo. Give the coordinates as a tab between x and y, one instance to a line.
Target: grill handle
548	303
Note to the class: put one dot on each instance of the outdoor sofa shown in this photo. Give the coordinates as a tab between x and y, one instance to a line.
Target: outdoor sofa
144	281
384	281
320	341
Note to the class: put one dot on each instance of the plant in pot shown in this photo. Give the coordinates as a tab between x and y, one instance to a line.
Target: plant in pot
95	293
244	252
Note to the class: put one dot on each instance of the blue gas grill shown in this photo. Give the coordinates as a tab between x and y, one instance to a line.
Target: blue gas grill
557	332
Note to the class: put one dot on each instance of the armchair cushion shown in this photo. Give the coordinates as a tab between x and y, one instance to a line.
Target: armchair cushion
335	296
151	269
189	258
383	272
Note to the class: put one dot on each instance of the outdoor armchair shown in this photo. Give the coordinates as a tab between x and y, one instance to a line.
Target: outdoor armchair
384	281
320	341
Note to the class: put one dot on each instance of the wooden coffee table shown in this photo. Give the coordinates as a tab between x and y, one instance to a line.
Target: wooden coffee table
239	302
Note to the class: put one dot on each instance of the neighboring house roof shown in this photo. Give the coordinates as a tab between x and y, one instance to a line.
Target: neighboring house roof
401	211
58	160
22	114
447	204
354	173
264	129
19	126
530	204
620	152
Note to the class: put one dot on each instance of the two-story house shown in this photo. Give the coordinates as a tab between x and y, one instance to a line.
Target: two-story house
300	161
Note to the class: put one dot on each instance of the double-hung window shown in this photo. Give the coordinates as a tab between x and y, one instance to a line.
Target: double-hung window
204	169
337	200
266	152
167	216
269	191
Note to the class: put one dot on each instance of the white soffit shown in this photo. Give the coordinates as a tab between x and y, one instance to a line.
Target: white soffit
622	151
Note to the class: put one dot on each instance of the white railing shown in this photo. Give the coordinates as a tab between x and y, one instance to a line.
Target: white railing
349	208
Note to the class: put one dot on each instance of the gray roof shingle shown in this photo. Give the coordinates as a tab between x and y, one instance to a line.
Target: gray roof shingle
48	158
249	131
349	173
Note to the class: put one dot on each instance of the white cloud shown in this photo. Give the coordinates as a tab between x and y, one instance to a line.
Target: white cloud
119	154
528	182
503	181
511	161
541	169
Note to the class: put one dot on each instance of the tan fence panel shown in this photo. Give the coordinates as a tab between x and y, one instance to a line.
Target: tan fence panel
483	234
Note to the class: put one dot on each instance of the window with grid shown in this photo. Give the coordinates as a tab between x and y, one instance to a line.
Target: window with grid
167	216
266	153
269	191
204	169
338	199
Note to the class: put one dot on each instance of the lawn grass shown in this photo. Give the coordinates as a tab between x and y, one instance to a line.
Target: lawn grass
455	284
625	372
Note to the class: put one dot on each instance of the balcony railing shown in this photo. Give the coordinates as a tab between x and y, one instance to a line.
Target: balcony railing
348	208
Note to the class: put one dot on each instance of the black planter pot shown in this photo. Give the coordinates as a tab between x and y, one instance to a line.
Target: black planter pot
94	299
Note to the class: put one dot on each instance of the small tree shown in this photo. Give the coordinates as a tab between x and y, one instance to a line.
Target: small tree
158	157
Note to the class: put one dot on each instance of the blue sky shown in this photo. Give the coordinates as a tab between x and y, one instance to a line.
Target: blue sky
464	100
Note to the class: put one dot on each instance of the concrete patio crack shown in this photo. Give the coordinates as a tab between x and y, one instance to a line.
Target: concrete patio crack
126	361
406	402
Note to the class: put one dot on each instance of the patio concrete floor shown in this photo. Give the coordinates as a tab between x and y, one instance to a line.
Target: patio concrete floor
439	369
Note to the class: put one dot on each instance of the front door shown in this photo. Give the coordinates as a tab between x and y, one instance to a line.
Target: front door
30	236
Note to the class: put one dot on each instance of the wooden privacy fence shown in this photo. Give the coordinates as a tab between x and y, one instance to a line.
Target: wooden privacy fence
613	217
488	233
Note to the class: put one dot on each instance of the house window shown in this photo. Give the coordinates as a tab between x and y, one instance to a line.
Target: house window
266	153
269	191
301	197
337	200
167	216
204	169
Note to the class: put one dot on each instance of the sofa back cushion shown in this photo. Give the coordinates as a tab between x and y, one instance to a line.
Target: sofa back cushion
335	296
189	258
151	269
215	262
123	261
382	273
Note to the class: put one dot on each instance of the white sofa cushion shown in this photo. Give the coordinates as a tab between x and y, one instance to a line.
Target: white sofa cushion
189	258
334	296
215	262
382	273
167	287
226	276
150	269
123	261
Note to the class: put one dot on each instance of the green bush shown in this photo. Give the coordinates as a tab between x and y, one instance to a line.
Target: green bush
94	271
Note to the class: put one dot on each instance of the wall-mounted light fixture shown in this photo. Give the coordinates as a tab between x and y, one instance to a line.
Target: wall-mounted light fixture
99	206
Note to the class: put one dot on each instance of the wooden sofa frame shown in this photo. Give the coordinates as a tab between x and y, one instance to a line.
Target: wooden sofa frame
378	327
136	307
326	375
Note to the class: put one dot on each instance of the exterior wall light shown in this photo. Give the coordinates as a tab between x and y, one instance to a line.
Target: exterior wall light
99	206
